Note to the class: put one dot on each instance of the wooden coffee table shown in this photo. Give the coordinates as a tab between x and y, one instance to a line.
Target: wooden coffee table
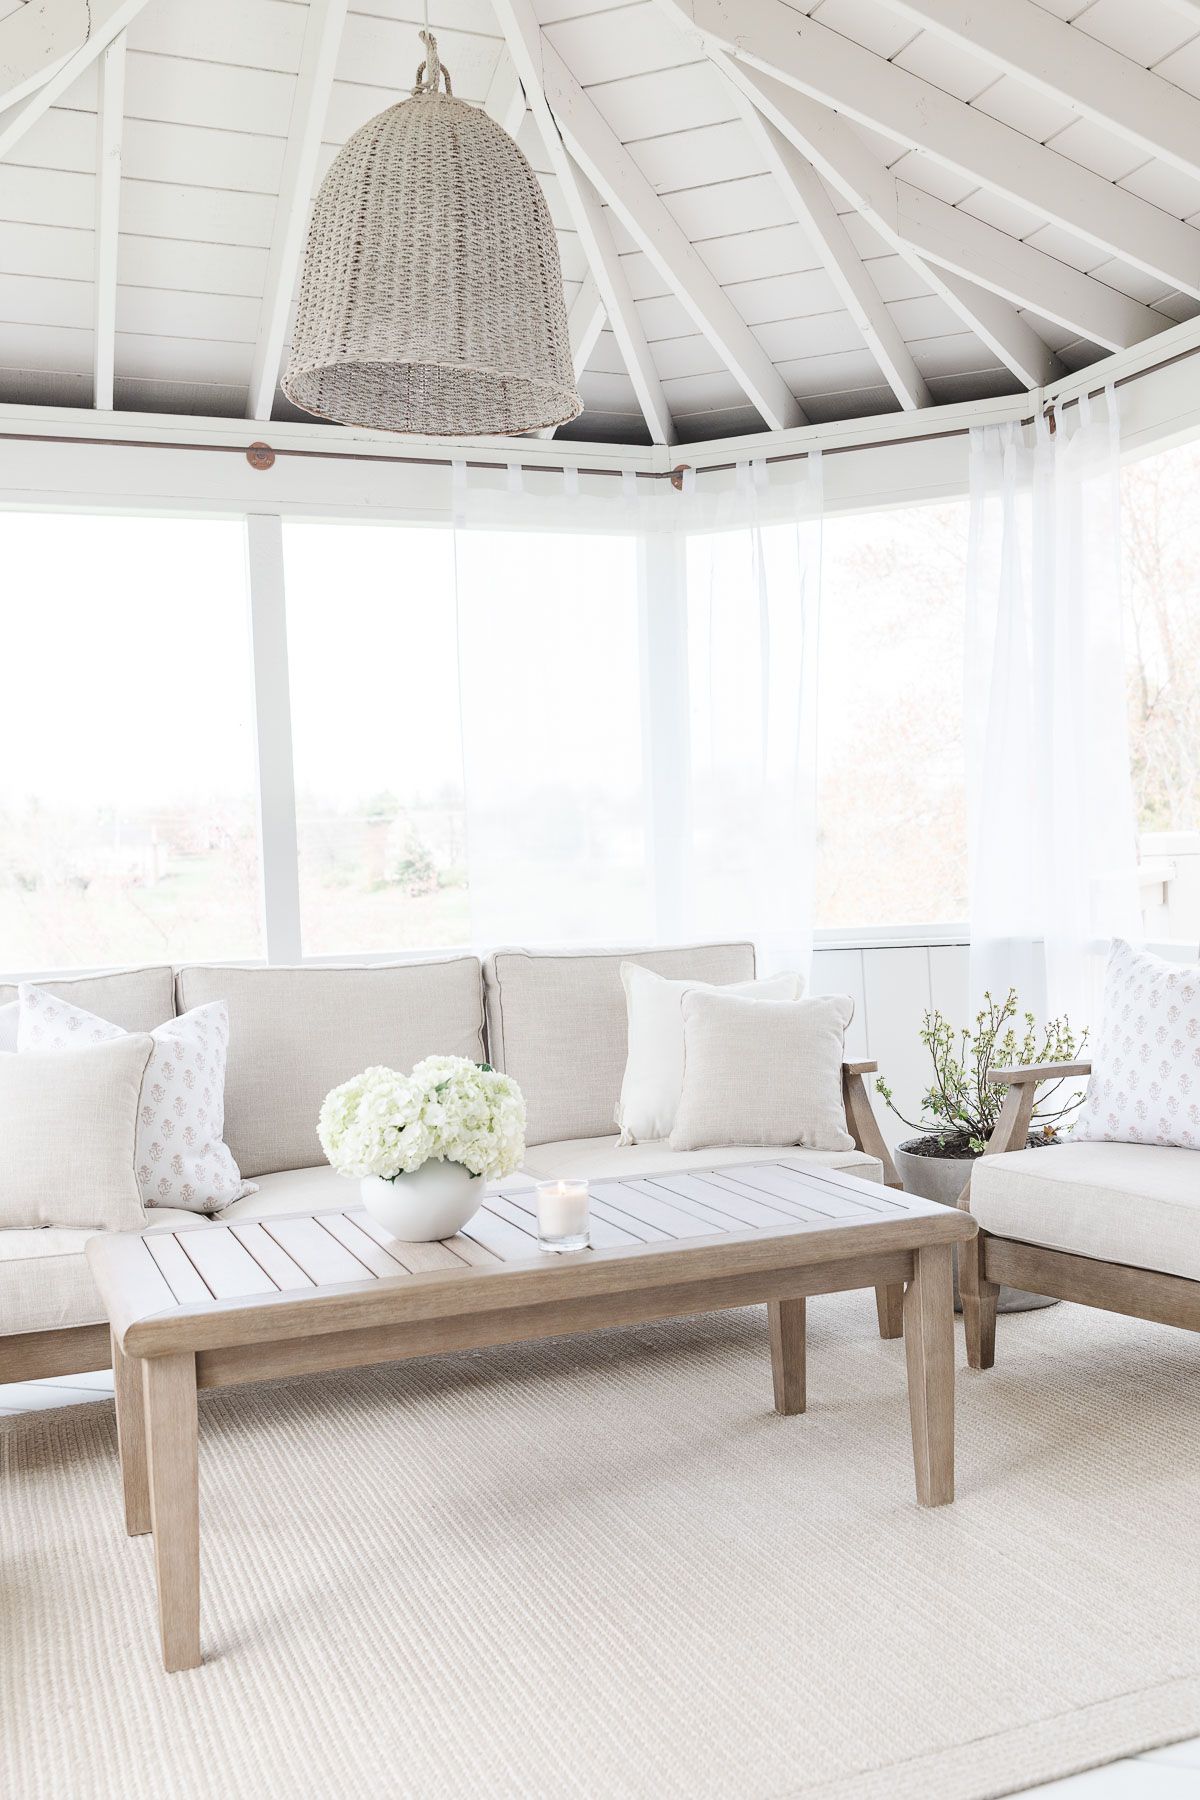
218	1305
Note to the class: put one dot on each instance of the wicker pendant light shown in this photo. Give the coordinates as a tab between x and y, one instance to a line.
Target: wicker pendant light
432	297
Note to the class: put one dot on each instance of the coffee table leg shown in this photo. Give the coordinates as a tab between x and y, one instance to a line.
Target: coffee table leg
131	1440
889	1308
787	1353
929	1347
169	1386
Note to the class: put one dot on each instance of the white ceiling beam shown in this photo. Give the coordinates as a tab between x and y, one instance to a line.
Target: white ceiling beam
944	234
597	150
110	120
1112	90
840	155
310	103
585	322
523	38
109	18
505	100
604	265
829	68
816	214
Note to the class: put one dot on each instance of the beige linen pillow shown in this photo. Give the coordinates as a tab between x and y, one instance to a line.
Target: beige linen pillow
68	1126
654	1063
763	1072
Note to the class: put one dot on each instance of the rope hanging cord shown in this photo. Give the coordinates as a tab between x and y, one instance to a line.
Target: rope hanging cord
431	300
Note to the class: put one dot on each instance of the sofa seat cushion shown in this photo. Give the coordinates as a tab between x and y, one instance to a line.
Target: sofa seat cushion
1137	1204
45	1280
595	1158
294	1191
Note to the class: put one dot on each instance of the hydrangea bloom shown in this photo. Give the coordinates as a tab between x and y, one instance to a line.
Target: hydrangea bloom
449	1110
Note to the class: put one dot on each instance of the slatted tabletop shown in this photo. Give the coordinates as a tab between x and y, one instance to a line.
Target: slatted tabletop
273	1278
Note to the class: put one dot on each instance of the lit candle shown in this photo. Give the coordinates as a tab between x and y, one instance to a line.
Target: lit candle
562	1214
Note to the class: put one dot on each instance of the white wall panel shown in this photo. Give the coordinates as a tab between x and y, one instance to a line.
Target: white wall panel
897	994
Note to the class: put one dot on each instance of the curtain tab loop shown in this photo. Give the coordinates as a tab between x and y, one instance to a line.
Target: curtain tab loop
571	482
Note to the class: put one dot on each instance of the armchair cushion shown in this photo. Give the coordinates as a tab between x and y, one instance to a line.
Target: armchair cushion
1137	1204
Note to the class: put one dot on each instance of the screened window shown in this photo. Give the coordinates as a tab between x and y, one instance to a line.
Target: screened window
376	737
891	808
128	817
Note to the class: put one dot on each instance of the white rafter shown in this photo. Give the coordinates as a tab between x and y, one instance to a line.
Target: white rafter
944	234
819	63
1110	89
110	120
505	100
310	102
109	18
597	150
816	213
839	154
585	322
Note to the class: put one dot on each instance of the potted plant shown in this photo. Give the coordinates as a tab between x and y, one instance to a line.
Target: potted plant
422	1145
961	1107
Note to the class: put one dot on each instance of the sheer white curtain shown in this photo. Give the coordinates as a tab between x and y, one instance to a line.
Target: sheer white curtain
638	687
753	626
1053	845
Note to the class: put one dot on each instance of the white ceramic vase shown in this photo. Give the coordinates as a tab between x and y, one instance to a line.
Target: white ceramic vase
432	1203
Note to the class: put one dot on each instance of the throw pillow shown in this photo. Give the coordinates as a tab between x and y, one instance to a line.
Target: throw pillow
68	1132
8	1026
1145	1082
654	1065
763	1072
182	1160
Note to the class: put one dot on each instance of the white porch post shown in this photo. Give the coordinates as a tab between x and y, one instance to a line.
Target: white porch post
662	600
273	737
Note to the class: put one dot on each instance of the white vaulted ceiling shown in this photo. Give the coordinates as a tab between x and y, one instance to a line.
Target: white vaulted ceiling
769	211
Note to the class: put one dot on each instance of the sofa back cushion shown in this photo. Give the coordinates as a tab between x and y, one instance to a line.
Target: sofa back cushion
134	999
557	1025
296	1033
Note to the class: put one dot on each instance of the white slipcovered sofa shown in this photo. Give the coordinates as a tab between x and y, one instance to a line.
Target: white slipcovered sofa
554	1021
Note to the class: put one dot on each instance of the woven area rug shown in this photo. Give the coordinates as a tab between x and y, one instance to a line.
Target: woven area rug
604	1567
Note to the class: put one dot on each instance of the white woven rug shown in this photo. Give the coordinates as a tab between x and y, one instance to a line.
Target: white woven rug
603	1567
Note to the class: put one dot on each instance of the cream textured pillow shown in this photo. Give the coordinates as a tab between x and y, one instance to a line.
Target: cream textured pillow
654	1066
182	1160
1145	1081
68	1127
763	1072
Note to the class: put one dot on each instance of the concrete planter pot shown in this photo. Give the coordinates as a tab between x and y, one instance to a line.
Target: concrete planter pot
942	1179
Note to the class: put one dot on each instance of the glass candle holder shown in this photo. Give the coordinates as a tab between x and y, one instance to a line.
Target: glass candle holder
562	1215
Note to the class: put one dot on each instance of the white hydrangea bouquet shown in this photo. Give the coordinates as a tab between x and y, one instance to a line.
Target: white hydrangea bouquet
419	1143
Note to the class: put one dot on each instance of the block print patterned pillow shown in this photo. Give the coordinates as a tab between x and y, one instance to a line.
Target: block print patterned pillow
1145	1081
180	1156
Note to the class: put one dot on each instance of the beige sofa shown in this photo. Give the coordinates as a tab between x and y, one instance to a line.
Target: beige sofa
555	1022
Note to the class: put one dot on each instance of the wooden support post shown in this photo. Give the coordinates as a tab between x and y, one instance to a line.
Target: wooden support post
787	1321
131	1440
169	1386
929	1344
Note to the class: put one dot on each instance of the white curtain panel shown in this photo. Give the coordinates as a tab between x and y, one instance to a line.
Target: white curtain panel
638	687
1053	844
753	627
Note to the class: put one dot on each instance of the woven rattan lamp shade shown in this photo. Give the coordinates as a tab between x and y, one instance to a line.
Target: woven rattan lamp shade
432	299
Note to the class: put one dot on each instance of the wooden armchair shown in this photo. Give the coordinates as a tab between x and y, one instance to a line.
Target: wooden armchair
1152	1182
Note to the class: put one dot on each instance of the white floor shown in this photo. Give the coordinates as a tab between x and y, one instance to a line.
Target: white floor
1171	1774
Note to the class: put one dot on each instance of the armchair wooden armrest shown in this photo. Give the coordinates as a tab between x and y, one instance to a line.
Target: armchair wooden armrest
861	1122
1011	1131
1035	1072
